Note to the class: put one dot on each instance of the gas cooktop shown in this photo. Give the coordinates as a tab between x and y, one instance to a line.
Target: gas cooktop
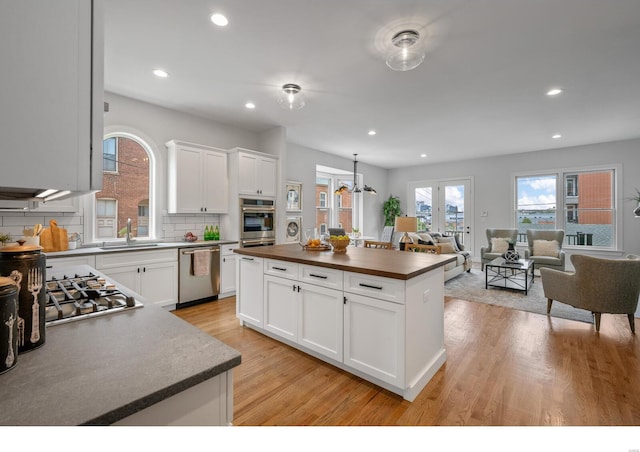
79	297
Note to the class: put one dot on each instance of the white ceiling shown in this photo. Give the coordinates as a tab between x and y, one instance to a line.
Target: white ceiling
479	92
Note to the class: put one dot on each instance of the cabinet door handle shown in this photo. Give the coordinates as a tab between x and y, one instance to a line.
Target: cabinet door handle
224	259
294	287
247	258
298	288
279	268
318	276
344	300
138	269
370	287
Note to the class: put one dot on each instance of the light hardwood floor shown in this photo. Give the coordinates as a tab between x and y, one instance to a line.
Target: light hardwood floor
504	368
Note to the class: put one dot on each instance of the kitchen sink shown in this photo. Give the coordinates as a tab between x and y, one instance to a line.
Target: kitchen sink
121	246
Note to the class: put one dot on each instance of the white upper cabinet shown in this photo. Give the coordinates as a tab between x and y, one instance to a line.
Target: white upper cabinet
257	175
197	179
51	120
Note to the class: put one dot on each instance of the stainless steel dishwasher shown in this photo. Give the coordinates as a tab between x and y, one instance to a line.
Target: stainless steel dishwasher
194	289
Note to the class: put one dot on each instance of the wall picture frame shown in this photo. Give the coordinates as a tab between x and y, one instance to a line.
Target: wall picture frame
294	196
294	225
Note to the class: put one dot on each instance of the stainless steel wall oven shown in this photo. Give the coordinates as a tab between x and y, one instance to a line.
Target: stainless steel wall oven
257	222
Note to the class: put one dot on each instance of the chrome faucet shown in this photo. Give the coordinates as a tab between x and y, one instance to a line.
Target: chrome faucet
129	239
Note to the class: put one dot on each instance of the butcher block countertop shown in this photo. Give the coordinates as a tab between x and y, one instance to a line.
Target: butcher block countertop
370	261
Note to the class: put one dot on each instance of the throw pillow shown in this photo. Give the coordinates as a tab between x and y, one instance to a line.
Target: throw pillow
446	248
425	242
450	240
499	245
546	248
425	237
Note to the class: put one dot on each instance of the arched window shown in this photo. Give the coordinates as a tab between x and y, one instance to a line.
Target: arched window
126	192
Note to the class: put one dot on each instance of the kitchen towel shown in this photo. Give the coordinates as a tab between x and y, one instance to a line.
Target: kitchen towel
201	262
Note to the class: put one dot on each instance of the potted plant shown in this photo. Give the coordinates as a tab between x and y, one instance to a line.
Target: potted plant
4	238
636	198
391	210
355	232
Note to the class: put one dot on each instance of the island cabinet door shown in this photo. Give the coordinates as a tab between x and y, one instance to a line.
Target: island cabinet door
320	320
374	337
249	296
281	307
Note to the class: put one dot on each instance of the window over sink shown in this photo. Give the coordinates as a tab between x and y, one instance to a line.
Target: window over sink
126	191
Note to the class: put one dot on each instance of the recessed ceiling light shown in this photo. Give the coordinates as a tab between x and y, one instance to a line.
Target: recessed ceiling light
556	136
250	105
219	20
423	155
160	73
372	132
554	92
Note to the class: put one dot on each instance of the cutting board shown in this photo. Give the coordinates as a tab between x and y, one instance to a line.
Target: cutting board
54	238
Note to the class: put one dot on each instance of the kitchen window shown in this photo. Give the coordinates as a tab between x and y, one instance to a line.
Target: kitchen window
336	211
582	202
125	190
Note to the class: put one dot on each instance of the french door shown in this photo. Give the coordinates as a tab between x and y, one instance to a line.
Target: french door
444	206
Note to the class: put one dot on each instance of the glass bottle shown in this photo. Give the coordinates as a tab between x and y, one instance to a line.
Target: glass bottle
216	233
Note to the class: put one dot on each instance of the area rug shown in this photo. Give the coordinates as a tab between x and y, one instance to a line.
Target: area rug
470	287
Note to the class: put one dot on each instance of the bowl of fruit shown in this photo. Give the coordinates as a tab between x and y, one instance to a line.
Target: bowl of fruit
339	243
189	237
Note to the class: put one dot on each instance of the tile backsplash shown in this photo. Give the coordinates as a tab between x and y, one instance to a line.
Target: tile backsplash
173	227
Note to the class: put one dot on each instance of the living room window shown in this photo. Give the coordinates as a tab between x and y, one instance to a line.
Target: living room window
585	199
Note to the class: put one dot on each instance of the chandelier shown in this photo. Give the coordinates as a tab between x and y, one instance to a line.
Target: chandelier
343	188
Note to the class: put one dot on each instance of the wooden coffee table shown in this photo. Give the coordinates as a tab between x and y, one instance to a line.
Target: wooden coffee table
505	275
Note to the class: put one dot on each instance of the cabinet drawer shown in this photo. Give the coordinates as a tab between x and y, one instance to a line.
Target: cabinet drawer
225	250
388	289
325	277
114	260
282	269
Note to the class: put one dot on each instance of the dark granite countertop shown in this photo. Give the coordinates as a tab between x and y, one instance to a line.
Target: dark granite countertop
141	245
98	371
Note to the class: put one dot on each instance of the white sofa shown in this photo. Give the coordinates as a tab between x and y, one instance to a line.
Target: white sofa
446	245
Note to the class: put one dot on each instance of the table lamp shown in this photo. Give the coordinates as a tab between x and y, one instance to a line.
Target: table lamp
406	224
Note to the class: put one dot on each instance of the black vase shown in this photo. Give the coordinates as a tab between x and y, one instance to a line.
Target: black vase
511	255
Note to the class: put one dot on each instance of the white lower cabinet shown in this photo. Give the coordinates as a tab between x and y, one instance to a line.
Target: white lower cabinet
320	319
152	274
388	331
57	262
374	337
249	296
228	270
281	307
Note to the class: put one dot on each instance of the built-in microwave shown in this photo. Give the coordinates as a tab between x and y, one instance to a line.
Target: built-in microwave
257	221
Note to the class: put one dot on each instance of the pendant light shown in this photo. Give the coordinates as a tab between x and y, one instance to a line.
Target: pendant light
343	188
405	53
291	97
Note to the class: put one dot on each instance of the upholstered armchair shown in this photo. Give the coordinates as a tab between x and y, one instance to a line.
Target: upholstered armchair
602	286
545	248
495	249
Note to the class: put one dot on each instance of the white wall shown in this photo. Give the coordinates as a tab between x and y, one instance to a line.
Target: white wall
493	178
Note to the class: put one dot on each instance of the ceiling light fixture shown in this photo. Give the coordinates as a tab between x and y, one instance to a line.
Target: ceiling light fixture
291	97
343	188
554	92
405	54
219	20
556	136
372	132
250	105
160	73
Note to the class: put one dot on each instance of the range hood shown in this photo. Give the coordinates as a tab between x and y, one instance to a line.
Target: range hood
24	199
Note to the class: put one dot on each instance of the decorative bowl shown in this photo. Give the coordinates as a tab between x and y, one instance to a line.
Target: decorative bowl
191	238
340	245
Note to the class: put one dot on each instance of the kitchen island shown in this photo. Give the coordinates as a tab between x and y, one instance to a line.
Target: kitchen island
142	366
378	314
